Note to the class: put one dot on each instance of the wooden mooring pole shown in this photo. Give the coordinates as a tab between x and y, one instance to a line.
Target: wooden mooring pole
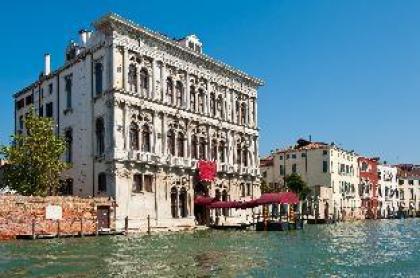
126	225
33	229
58	228
81	227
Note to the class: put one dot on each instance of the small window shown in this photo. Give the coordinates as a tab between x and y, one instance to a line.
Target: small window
20	103
50	88
325	166
29	100
102	183
400	182
68	90
281	157
294	156
137	183
324	152
281	170
49	110
98	77
303	155
148	183
248	189
411	182
294	169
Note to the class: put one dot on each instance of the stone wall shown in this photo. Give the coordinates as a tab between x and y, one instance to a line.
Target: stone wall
18	213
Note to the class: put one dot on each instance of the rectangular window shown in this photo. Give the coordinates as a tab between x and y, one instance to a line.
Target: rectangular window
68	90
294	170
410	182
20	104
400	182
21	122
324	166
29	100
49	110
50	88
324	152
281	157
294	156
41	111
98	77
303	155
148	183
287	156
281	170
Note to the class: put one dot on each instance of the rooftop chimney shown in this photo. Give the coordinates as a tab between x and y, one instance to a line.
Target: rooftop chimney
47	64
83	37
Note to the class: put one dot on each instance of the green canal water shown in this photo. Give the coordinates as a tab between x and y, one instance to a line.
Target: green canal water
382	248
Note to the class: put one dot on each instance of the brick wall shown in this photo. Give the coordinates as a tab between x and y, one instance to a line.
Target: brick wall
17	213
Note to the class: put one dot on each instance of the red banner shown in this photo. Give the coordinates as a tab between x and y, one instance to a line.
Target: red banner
207	170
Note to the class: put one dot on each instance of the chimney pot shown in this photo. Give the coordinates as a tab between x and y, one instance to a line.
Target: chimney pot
47	64
83	37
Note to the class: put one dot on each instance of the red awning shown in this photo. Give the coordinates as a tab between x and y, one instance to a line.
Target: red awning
225	204
203	200
249	204
278	198
207	170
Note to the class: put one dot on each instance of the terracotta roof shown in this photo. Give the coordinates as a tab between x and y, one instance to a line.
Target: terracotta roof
408	171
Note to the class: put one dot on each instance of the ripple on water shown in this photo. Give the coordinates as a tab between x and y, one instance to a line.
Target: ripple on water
359	249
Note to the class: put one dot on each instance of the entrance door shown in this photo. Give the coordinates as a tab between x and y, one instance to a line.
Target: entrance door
103	217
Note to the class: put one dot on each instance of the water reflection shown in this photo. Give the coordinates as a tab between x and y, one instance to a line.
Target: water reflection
362	249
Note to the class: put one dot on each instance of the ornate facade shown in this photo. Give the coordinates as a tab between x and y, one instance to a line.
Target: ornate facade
138	111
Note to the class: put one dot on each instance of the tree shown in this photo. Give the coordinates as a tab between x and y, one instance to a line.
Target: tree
295	183
266	188
34	159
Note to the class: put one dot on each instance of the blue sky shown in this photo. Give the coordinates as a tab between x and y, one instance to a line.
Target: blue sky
342	71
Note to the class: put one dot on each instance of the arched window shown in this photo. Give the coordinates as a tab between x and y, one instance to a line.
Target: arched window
183	201
222	151
212	105
132	78
171	142
137	183
174	205
237	109
68	137
202	149
100	136
214	149
238	154
180	144
192	98
144	81
243	113
134	137
194	147
219	107
102	183
200	101
179	89
145	139
169	91
245	157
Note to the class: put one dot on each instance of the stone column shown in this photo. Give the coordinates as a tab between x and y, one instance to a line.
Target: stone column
153	139
255	113
125	69
164	132
177	203
126	126
152	85
139	90
189	144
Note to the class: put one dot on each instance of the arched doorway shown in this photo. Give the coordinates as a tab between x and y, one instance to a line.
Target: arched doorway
174	205
183	198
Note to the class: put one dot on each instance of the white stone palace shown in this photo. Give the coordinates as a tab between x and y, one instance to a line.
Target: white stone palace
138	110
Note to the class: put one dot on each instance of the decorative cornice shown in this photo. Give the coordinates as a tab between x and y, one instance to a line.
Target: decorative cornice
114	21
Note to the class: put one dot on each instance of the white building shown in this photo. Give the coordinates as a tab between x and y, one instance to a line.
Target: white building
330	171
138	110
409	189
387	190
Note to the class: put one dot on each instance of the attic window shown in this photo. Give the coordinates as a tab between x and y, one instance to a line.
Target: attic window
191	45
